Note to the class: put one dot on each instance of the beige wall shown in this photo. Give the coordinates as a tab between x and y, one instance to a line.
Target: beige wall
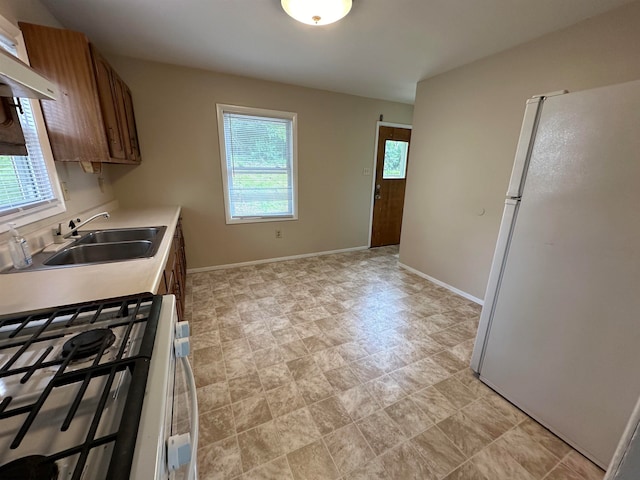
466	125
176	115
84	192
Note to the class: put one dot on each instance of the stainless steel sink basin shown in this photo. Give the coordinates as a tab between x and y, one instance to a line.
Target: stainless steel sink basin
102	246
122	235
101	253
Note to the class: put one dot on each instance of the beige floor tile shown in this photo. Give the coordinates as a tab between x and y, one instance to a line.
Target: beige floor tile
488	419
216	425
457	394
292	350
303	367
251	412
244	386
495	463
545	438
342	378
434	404
213	396
319	342
220	460
206	374
449	362
297	429
312	462
365	369
385	390
373	470
583	466
380	432
314	388
535	459
440	454
562	472
277	469
406	414
509	411
348	448
358	402
465	433
268	356
329	414
259	445
404	463
328	359
285	399
468	471
275	376
351	351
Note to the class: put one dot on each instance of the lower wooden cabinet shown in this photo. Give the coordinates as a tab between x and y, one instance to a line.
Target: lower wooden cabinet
174	277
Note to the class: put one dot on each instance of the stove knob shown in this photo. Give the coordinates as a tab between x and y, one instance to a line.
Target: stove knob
182	330
181	347
178	451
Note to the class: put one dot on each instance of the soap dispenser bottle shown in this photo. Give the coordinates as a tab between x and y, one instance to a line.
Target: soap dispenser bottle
18	249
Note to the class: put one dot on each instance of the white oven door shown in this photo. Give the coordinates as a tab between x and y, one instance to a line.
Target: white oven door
167	441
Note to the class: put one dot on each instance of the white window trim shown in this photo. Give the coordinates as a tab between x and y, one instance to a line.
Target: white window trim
260	112
10	31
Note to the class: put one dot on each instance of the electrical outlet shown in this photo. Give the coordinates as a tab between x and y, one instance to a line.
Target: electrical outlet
278	233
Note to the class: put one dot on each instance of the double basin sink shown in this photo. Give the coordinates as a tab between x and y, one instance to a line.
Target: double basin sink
104	246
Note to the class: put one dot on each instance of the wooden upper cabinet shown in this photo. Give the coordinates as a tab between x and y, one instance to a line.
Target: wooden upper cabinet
91	120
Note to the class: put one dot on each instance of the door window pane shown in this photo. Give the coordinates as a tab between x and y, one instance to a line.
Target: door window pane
395	159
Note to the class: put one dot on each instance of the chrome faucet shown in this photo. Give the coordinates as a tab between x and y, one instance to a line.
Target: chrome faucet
82	224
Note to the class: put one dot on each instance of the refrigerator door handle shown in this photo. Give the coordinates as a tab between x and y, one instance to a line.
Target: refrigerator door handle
509	217
525	146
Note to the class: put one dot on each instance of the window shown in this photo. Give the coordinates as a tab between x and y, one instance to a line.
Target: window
28	183
259	164
395	159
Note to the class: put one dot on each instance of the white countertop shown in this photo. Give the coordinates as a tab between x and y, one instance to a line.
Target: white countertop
33	290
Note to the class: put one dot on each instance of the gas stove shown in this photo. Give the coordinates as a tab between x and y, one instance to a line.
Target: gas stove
72	387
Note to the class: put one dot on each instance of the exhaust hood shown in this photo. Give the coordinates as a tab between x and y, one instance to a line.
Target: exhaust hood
17	79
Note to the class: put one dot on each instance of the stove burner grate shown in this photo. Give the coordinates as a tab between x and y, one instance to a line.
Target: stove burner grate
32	467
31	328
86	344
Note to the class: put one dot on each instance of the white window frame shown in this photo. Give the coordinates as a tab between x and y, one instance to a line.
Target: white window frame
13	34
258	112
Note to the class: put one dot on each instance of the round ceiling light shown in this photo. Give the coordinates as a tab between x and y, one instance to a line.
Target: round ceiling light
317	12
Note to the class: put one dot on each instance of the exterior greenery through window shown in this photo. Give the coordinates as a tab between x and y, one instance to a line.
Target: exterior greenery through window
258	162
395	159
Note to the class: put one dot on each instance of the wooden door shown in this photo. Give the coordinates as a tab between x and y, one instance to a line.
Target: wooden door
391	179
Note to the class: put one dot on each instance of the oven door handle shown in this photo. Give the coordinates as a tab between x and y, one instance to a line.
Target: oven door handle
193	463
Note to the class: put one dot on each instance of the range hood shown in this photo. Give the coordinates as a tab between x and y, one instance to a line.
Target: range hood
17	79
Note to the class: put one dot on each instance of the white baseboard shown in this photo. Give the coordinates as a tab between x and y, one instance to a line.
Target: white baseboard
271	260
442	284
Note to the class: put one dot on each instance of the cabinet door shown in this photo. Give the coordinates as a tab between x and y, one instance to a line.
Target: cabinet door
106	94
131	125
74	121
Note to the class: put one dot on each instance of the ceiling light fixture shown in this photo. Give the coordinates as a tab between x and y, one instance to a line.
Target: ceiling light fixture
317	12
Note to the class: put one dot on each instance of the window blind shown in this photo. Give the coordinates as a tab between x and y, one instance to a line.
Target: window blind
259	161
24	180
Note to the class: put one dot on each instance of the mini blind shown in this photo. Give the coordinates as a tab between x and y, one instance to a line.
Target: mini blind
24	180
259	166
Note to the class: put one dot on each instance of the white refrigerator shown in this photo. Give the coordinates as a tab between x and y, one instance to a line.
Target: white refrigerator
559	333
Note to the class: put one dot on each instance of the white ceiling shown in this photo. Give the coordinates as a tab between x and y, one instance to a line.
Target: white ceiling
380	50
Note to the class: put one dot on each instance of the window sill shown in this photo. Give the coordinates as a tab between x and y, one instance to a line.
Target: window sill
233	221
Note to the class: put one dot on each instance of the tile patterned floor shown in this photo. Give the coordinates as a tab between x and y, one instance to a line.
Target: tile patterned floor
347	366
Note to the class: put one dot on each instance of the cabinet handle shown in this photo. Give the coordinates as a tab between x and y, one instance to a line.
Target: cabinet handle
111	135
